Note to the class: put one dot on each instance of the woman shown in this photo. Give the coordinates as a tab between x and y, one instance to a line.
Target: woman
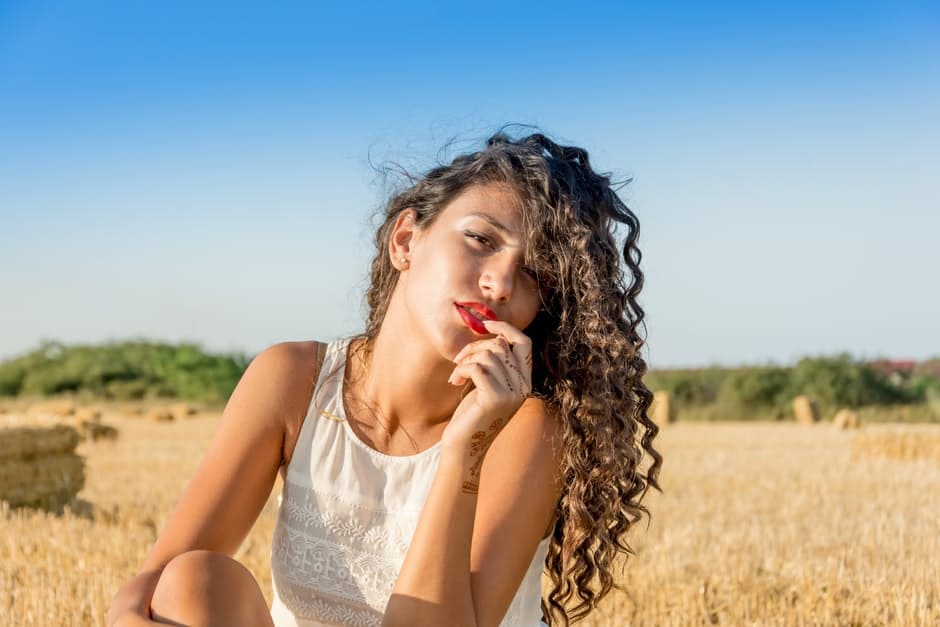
490	422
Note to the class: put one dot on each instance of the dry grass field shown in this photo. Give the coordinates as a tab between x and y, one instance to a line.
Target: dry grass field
760	524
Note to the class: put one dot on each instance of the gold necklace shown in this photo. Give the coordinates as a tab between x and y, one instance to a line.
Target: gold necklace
349	396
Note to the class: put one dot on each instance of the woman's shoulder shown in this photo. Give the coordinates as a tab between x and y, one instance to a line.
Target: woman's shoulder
292	353
294	368
291	364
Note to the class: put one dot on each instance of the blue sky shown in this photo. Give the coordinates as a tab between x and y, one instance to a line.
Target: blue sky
204	173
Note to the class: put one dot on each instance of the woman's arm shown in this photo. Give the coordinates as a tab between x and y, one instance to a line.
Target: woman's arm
235	478
470	552
131	605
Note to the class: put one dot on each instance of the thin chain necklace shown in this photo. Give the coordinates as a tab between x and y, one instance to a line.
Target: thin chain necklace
349	396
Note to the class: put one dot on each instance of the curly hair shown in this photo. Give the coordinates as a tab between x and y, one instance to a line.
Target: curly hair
587	365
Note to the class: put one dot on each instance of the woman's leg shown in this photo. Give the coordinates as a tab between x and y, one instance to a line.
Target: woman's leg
203	588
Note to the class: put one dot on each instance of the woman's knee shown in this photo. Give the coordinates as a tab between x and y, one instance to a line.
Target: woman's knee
197	585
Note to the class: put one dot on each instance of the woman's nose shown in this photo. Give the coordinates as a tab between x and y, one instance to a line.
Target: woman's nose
497	280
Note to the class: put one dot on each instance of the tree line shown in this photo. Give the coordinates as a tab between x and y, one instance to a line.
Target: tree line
833	382
144	370
127	370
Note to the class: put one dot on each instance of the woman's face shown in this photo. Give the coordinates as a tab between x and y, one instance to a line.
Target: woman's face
472	252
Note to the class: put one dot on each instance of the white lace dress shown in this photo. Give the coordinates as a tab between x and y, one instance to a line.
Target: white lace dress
346	518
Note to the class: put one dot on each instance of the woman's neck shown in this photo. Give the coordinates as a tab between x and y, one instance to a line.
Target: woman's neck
404	383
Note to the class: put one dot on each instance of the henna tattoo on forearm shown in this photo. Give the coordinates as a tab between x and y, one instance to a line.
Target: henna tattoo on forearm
479	444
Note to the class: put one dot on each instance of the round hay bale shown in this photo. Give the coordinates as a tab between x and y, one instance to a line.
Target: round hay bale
845	419
159	414
55	406
130	409
84	420
95	431
662	410
805	410
181	411
87	414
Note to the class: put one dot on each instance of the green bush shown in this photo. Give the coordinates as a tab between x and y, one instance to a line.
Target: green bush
757	389
688	387
842	382
766	392
124	370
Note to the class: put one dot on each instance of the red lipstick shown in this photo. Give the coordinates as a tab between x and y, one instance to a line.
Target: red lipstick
473	314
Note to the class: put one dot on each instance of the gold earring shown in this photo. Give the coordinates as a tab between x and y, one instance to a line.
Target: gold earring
404	259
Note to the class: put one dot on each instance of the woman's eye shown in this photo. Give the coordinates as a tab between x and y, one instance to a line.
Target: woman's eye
531	272
480	238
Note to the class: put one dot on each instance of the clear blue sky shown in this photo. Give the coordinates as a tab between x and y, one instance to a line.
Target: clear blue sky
200	171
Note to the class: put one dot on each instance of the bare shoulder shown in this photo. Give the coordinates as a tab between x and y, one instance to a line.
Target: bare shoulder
293	369
237	472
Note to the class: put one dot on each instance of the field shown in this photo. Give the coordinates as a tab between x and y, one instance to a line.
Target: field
759	524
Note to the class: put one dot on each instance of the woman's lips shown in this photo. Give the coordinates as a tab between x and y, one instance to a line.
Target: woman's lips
479	309
473	314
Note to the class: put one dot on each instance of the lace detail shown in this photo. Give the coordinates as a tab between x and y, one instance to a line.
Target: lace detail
310	606
346	561
335	569
305	512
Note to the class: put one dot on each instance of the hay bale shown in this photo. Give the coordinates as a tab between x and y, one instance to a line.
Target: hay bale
87	421
662	410
87	414
181	411
846	419
160	414
95	431
47	481
38	464
134	409
54	406
805	410
28	442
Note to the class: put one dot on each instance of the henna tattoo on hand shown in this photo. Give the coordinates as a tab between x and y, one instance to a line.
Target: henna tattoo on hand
513	366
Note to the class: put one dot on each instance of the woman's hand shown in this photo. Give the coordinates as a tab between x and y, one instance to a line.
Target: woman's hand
501	371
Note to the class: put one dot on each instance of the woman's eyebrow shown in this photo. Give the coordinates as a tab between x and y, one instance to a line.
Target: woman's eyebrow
499	226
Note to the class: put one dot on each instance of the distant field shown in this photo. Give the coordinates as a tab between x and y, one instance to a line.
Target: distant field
760	523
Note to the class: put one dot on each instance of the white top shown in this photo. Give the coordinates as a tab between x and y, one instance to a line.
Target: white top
346	517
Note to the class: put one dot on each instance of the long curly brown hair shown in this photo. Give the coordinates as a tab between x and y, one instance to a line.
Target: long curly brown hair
587	364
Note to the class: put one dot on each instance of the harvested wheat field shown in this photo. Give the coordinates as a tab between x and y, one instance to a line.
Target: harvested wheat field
760	524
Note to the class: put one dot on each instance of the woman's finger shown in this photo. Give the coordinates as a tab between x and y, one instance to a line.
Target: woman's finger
499	343
501	365
485	379
521	346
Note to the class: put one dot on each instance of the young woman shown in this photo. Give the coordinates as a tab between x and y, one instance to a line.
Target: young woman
489	424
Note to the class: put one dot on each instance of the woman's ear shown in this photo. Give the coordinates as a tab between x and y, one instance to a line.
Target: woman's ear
403	236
